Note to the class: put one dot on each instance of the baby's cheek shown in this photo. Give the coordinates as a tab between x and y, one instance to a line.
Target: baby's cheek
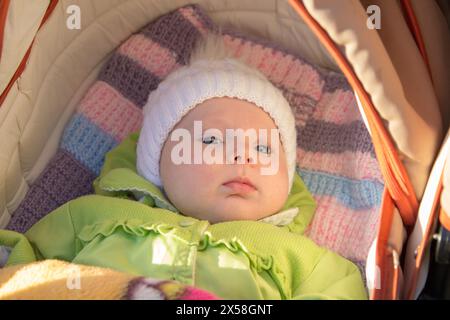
195	177
195	193
277	185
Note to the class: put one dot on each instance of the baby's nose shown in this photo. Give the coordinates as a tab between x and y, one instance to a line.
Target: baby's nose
238	157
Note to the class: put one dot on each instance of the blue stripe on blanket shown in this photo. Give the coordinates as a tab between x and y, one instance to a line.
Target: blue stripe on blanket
354	194
87	142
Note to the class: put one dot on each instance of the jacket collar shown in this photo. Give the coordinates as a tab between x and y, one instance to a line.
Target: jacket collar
126	183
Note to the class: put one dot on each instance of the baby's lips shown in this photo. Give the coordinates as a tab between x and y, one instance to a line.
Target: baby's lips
240	185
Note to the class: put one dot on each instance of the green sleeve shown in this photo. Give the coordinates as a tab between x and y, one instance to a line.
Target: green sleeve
21	250
53	237
333	277
301	198
122	156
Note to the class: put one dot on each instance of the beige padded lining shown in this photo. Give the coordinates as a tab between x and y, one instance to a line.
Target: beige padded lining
63	63
436	34
383	60
22	23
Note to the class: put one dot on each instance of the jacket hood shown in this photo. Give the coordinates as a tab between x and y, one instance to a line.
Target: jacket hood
119	178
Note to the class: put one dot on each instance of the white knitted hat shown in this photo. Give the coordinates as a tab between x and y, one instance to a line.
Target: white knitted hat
199	81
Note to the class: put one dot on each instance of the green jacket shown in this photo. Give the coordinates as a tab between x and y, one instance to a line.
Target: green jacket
148	237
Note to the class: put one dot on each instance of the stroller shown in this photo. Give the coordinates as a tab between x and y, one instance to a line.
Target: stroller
394	55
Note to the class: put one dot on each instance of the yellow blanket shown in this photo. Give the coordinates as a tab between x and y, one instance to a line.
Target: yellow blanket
58	280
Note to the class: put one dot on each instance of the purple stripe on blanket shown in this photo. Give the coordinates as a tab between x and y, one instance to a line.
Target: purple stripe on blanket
321	136
181	42
202	17
302	105
129	78
335	81
63	179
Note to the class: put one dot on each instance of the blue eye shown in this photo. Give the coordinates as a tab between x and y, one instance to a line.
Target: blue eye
263	148
211	140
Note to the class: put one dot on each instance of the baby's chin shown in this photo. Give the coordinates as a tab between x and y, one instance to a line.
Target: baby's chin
235	207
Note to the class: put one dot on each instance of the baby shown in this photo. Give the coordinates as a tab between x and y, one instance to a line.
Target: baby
249	180
222	216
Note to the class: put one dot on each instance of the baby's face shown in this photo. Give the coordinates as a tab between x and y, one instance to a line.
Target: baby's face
227	190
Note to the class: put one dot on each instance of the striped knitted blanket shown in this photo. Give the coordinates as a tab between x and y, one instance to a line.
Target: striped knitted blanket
335	154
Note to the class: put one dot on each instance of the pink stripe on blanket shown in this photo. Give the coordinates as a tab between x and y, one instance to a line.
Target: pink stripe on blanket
301	78
149	54
109	110
338	107
334	224
341	164
280	68
191	16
